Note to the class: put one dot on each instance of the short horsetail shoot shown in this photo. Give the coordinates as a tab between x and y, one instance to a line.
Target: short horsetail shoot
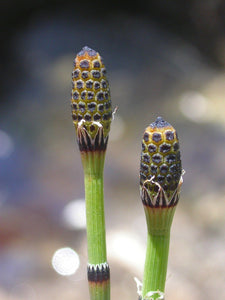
160	182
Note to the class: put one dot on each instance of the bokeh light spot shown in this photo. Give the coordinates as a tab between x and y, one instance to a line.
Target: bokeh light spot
65	261
73	215
127	248
194	106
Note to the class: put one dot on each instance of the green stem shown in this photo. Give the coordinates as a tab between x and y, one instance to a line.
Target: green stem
156	263
100	292
159	222
93	165
95	219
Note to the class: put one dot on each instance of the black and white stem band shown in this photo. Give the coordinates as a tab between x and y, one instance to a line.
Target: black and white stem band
98	273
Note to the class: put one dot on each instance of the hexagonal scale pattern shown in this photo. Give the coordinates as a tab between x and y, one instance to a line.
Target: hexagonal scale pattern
90	97
160	158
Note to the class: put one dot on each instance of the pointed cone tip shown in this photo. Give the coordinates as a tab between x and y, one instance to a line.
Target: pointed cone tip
160	123
87	50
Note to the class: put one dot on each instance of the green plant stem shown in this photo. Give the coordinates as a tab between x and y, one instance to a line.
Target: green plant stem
95	219
93	165
156	263
100	292
159	222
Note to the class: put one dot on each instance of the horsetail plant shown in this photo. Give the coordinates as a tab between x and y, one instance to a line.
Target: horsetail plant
160	178
160	182
92	114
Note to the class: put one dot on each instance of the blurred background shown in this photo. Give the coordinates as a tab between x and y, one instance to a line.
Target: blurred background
163	58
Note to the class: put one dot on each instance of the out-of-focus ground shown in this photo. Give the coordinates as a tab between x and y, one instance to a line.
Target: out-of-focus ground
161	60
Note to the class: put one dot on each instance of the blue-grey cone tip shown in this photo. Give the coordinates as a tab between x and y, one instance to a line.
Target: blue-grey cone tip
90	51
159	123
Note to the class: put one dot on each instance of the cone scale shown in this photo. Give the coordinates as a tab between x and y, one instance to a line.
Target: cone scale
160	182
92	114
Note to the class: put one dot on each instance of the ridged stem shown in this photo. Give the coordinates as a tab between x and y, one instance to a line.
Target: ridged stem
159	222
93	164
156	264
100	292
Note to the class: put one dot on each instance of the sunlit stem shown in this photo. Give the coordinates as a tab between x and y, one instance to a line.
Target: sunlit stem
159	222
93	165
